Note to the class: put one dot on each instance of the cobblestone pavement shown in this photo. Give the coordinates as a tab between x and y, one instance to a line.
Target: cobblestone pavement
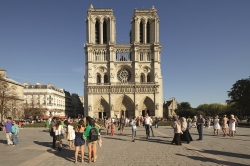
119	150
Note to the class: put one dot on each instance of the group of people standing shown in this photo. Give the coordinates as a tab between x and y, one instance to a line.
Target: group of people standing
181	131
11	130
225	124
86	132
181	127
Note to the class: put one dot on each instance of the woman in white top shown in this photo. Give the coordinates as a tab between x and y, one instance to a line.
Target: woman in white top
59	131
216	125
177	132
71	135
232	126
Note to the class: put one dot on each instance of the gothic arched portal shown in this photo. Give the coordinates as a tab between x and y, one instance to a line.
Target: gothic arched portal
125	106
147	106
101	108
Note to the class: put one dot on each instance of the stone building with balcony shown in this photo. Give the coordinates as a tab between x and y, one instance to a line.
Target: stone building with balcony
52	100
122	79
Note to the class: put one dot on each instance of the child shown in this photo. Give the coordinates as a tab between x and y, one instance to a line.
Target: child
112	126
133	123
15	131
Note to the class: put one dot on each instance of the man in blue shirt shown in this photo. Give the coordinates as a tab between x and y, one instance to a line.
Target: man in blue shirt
7	131
200	124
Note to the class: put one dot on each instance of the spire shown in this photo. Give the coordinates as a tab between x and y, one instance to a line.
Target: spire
153	7
91	6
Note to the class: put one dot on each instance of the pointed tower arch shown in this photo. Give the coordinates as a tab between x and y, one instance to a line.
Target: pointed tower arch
147	106
101	108
125	106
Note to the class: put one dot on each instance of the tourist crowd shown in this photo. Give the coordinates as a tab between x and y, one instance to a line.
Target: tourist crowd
87	131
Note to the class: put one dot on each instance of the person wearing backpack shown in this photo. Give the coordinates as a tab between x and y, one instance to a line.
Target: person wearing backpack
92	134
15	132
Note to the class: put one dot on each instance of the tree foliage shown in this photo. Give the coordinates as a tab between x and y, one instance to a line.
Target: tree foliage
184	109
240	96
32	110
9	100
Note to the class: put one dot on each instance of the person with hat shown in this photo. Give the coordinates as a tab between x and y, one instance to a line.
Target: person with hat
224	125
232	126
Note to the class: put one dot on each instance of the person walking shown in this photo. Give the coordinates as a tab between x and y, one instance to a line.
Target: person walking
52	133
59	131
189	122
107	125
7	131
232	122
122	124
156	122
224	125
147	122
216	125
185	136
79	141
15	132
177	131
200	124
91	133
133	124
150	125
71	134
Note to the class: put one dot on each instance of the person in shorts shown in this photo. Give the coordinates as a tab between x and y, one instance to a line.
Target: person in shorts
91	144
133	123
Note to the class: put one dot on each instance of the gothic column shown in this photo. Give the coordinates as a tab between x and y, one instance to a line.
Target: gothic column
101	31
145	31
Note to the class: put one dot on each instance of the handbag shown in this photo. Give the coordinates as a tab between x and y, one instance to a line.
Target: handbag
84	137
68	136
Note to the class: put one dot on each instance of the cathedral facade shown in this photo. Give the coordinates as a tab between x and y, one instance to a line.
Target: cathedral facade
122	79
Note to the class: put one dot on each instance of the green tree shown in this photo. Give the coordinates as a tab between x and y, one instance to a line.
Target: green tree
184	109
240	96
9	101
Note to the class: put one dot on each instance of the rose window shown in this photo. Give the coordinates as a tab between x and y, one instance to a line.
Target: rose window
124	75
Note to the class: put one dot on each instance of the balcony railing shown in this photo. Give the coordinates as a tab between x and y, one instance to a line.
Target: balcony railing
121	83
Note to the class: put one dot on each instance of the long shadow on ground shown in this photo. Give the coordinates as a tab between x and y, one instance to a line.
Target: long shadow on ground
206	159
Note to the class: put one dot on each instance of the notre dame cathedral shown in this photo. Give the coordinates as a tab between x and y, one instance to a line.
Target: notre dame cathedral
122	79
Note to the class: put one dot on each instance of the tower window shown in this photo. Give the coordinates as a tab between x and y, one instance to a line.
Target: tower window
97	32
148	78
104	32
148	56
98	79
141	56
105	78
141	32
142	78
148	32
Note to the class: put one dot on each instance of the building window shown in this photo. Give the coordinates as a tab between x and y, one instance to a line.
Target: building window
98	79
142	78
105	32
105	78
148	56
97	32
141	32
148	32
148	78
141	56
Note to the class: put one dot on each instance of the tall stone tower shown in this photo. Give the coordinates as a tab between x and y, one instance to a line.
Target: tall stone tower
122	79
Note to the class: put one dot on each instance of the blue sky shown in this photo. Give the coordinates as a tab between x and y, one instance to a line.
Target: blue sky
205	44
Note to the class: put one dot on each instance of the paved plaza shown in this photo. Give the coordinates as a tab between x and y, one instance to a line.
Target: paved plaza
119	150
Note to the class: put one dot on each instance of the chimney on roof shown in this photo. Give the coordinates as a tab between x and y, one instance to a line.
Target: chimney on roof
3	73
